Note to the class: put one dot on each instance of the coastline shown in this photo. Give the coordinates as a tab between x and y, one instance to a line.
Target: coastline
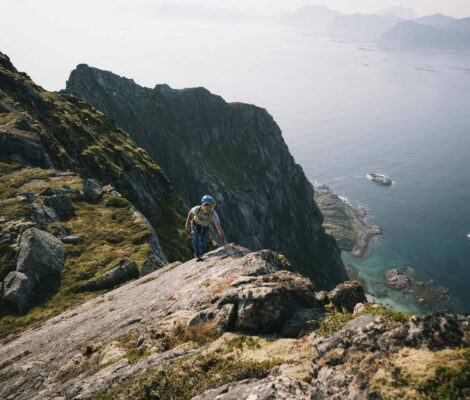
347	223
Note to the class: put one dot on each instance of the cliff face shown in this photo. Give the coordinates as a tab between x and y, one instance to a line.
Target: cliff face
234	151
48	130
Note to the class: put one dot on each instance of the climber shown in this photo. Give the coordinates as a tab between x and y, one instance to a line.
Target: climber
199	222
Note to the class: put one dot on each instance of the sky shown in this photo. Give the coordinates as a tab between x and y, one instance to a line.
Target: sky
142	39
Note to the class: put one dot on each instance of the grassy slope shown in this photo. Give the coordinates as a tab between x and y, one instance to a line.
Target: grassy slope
109	229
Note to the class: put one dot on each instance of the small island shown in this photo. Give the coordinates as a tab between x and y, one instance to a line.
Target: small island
346	223
426	292
380	179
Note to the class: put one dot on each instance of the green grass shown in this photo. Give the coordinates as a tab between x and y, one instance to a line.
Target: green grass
334	322
187	377
110	233
449	383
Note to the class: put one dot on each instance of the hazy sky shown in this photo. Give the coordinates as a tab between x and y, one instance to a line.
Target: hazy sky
48	38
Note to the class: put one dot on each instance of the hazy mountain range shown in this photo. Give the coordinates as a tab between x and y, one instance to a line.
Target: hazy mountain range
394	27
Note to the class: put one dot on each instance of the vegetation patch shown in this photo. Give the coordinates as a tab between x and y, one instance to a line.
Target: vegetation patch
187	377
110	234
450	381
335	321
199	334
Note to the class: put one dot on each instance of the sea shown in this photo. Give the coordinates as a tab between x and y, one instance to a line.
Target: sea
347	109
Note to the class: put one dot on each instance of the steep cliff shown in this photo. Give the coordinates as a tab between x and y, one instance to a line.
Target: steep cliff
49	130
232	150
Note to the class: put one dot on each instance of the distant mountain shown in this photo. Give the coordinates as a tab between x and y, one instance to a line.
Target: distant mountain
404	13
461	25
362	26
313	19
445	22
323	20
409	35
436	21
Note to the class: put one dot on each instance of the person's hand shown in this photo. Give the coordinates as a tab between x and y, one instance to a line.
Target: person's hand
186	226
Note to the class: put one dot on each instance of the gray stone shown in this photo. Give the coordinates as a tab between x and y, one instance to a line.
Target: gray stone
40	254
346	295
73	239
93	190
265	302
5	237
358	308
124	271
302	322
28	196
271	388
62	205
47	192
43	214
400	278
18	288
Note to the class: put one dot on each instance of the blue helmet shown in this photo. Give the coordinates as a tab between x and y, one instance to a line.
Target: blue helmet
208	199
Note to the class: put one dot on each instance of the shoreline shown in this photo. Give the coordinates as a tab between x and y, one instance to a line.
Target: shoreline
347	223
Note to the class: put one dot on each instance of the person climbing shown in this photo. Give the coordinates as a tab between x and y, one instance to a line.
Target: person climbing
199	221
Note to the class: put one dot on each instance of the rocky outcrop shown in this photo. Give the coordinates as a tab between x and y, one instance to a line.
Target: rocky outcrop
235	152
262	298
426	293
40	254
279	388
381	179
62	206
93	190
346	223
346	295
375	357
158	328
17	290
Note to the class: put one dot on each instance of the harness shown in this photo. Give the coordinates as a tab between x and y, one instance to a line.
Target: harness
198	227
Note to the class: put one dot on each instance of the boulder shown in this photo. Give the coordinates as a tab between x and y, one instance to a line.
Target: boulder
18	288
40	254
281	387
264	303
124	271
62	205
93	190
43	214
346	295
400	278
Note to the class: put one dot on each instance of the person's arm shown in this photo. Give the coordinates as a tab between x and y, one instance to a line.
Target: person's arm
220	231
188	221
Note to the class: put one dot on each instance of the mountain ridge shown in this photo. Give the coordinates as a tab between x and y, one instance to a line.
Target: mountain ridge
234	151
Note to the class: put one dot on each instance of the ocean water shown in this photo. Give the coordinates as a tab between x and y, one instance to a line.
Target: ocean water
406	115
347	109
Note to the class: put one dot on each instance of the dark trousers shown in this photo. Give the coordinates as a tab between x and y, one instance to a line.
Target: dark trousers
199	234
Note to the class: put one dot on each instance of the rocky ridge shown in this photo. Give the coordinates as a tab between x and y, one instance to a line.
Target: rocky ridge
223	328
232	150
